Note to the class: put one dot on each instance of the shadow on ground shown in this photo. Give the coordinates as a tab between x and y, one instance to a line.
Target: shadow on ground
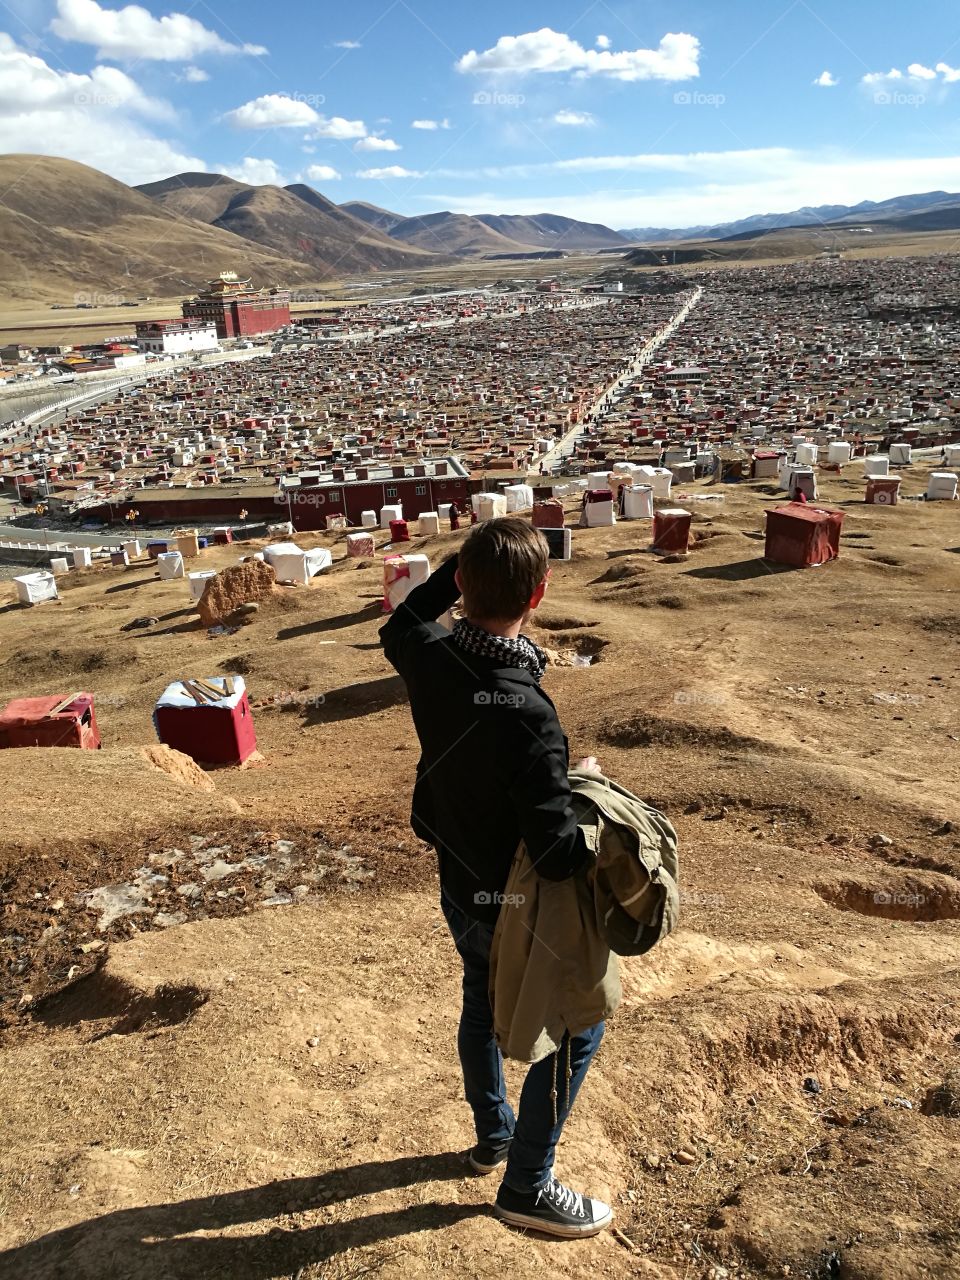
130	586
355	700
363	614
154	1242
741	571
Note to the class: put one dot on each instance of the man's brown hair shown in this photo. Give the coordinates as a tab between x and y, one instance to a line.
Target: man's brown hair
502	562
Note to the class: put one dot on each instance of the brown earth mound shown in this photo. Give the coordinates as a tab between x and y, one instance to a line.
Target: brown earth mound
176	765
246	583
66	796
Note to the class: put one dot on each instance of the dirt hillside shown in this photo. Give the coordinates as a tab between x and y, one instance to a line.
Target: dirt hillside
249	1071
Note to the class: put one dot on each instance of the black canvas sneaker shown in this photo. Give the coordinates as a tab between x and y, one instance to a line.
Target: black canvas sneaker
486	1156
554	1209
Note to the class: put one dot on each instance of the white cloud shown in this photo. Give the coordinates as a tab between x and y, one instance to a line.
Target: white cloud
603	42
84	117
258	173
877	77
918	72
546	50
321	173
373	143
431	125
917	85
391	171
273	111
195	75
568	117
133	32
826	80
339	129
346	44
680	163
710	187
27	82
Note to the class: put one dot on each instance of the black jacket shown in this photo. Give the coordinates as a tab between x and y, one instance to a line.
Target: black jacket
493	764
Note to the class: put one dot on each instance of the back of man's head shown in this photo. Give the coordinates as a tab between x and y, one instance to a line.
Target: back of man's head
502	562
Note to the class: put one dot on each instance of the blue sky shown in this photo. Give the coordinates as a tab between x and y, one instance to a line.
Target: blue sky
632	114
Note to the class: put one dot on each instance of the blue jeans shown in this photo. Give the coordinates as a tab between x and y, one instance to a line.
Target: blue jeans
536	1130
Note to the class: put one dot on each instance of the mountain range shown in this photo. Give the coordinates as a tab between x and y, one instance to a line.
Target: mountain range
901	213
66	228
489	232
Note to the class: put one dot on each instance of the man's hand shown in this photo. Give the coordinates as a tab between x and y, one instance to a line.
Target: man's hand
589	763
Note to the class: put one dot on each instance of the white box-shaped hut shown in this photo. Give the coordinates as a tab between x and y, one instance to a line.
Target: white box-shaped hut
400	575
638	502
198	582
170	565
34	588
519	497
292	564
941	486
491	506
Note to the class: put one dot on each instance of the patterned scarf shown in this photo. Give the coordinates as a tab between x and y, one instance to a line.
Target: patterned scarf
520	652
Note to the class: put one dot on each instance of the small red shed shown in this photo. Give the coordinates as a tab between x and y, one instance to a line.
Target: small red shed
207	719
53	721
802	535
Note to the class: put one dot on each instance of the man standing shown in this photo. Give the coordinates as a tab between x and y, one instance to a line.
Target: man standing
493	772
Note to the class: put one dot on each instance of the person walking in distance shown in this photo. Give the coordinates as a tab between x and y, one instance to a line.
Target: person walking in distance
493	773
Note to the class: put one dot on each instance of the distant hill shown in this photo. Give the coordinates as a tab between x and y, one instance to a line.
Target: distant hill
890	212
453	233
294	220
553	231
65	227
372	214
459	233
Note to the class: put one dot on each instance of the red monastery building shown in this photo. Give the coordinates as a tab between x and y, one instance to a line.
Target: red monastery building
237	309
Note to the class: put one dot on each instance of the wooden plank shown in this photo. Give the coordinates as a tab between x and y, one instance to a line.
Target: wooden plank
62	706
199	697
230	686
214	690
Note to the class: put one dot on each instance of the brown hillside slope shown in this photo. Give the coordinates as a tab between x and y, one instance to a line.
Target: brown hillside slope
65	227
553	231
296	221
455	233
372	214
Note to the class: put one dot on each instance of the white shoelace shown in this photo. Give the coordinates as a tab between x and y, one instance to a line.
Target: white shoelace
565	1198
